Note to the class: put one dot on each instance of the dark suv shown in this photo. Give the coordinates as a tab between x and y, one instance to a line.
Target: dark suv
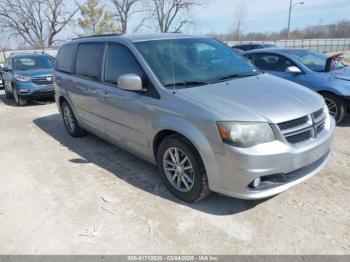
247	47
28	76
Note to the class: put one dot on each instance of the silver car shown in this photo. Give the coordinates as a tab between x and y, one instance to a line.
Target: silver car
205	116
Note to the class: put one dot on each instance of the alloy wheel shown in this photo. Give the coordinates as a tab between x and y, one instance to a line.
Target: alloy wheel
332	107
178	169
69	118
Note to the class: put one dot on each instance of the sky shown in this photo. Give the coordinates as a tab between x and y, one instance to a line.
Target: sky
268	15
217	16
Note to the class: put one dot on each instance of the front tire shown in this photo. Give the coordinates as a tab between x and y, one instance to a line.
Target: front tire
20	101
182	169
70	121
336	107
7	94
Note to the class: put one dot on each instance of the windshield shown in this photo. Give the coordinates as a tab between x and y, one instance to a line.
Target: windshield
313	60
33	62
193	61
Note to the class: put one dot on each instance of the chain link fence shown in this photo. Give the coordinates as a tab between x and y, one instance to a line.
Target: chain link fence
320	45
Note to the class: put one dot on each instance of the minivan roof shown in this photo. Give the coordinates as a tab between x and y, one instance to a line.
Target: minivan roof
140	37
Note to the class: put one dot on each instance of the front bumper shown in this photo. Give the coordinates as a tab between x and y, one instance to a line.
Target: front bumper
31	90
239	167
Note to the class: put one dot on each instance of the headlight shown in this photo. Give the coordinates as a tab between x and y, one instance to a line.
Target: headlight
245	134
22	78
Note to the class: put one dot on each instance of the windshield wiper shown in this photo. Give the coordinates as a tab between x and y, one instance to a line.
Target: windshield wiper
187	83
233	76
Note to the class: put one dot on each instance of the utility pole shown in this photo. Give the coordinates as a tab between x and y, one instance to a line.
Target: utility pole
291	6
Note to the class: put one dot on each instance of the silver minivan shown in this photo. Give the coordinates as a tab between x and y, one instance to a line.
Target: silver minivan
204	115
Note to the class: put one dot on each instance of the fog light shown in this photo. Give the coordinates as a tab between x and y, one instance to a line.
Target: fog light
256	182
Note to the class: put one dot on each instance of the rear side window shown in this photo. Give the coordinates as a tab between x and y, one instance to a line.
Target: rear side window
64	61
89	60
120	61
271	62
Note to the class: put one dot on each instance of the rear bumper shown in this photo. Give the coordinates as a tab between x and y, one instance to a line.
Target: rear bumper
240	167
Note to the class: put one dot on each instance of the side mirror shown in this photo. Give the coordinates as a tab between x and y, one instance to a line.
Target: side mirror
130	82
293	70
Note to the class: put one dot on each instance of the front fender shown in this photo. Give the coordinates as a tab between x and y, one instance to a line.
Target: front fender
197	138
333	85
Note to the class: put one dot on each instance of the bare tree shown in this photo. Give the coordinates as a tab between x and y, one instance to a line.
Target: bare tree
37	22
125	9
173	15
240	16
58	16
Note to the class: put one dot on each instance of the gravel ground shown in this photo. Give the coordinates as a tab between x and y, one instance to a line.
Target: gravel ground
61	195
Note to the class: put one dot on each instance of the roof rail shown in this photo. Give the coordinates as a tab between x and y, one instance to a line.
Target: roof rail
90	36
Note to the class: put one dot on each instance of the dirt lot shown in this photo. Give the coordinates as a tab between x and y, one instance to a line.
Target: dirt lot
60	195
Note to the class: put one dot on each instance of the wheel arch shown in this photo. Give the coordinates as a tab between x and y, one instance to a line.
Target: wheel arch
323	91
197	139
63	98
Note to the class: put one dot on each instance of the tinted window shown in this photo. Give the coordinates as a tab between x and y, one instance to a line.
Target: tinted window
243	47
271	62
65	58
89	60
120	61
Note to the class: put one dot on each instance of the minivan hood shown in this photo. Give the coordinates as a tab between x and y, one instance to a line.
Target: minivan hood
257	98
35	73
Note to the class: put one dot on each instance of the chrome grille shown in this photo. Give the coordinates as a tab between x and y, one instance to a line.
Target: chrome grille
300	137
318	115
42	80
294	123
304	128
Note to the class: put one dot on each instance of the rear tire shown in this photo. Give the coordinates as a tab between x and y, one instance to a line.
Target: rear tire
182	169
336	106
20	101
70	121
